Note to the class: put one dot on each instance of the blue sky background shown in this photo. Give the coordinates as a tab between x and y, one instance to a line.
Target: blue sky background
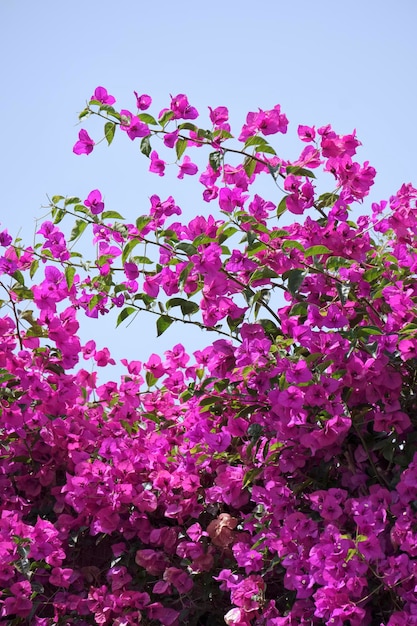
349	64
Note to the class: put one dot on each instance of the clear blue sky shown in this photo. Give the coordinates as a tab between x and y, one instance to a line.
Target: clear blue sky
353	65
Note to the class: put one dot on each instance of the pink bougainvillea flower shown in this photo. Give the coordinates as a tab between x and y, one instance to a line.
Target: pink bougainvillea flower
219	115
306	133
133	126
157	165
5	238
143	101
170	139
265	122
155	366
182	109
151	286
94	202
187	167
89	349
160	209
103	358
101	95
229	199
85	144
131	270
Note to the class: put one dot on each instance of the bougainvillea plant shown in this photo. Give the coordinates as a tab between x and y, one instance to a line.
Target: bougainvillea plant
269	479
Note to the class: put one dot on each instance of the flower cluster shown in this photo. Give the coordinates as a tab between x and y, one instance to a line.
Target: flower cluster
269	479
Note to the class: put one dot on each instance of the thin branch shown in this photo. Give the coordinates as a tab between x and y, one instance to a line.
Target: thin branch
184	321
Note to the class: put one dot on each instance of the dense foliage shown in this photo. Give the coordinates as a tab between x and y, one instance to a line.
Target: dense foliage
269	479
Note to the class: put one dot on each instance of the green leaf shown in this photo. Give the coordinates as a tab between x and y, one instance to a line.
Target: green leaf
77	231
110	111
80	208
291	244
262	229
215	160
234	323
316	250
299	171
282	207
255	431
124	313
180	147
322	367
56	199
83	114
266	149
209	400
23	293
335	262
299	309
263	272
165	118
111	215
69	275
204	134
221	385
270	328
250	236
169	235
251	476
150	378
94	301
185	273
187	126
276	234
188	307
408	328
255	141
202	239
224	233
350	554
295	278
58	215
223	134
33	268
147	119
145	146
5	375
109	130
147	300
365	331
162	323
128	249
249	166
143	221
18	276
372	274
327	199
142	260
72	200
188	248
255	248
